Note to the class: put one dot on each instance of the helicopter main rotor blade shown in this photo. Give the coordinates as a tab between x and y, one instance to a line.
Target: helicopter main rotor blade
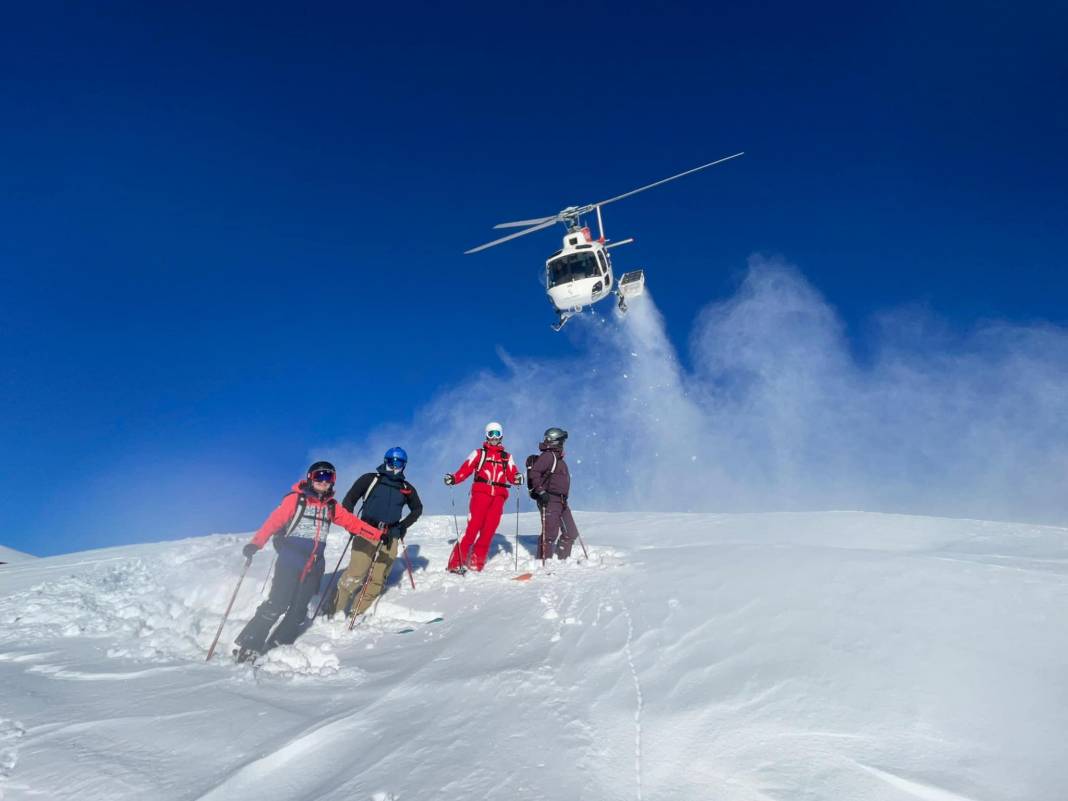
521	223
551	221
665	180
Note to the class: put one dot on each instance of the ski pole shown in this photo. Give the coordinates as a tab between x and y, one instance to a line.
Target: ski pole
366	583
455	525
408	565
517	531
229	606
333	576
268	577
542	548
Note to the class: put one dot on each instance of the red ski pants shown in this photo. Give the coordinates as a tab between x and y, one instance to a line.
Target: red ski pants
482	519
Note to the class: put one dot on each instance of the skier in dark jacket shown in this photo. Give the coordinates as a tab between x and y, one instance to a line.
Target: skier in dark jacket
298	529
550	483
384	495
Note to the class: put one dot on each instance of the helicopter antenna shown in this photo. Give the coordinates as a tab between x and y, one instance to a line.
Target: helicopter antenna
664	181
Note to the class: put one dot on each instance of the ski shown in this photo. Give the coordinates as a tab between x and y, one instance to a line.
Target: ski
409	629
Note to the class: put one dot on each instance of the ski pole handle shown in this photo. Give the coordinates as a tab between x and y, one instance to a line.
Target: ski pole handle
229	606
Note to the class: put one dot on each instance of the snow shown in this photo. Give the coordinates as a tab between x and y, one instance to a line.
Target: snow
737	657
11	555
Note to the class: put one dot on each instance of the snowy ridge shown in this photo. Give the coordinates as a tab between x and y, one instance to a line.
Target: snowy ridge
737	657
8	555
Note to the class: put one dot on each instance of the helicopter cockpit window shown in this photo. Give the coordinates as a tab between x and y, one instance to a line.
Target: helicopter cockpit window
604	264
572	267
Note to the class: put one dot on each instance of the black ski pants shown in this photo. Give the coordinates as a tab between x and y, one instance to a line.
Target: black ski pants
290	597
558	528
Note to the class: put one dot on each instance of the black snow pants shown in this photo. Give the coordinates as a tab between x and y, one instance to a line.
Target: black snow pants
289	596
556	522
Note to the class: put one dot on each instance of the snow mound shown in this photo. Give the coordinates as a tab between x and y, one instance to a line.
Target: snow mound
738	657
300	660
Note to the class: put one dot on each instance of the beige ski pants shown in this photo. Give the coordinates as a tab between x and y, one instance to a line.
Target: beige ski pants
363	553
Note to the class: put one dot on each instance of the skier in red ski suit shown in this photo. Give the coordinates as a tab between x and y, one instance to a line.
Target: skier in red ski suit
494	471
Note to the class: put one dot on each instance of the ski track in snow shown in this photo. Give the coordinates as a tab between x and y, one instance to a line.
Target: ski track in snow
11	731
628	651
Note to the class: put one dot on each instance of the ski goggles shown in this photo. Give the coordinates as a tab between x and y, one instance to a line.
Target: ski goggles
396	462
494	434
324	475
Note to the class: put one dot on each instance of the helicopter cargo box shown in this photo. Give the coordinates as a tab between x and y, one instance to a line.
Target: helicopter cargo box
632	284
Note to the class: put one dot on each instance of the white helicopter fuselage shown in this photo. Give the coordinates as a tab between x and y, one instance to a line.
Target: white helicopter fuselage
580	273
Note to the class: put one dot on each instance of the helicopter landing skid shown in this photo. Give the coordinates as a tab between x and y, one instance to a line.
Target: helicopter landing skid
561	318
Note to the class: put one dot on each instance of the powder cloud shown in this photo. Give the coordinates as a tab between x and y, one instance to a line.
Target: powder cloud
775	412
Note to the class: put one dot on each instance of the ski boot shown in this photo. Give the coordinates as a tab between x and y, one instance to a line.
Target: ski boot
242	655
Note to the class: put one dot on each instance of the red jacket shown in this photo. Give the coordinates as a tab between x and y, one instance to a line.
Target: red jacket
497	472
316	512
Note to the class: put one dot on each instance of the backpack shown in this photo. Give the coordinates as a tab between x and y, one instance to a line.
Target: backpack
302	504
530	463
483	458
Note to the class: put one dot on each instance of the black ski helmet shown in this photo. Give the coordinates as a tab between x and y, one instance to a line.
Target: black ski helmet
317	466
555	434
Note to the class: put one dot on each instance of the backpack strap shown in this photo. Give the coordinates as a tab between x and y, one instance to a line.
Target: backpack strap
302	504
482	460
370	489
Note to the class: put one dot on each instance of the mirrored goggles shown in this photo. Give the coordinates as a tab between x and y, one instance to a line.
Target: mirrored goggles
396	463
494	435
324	475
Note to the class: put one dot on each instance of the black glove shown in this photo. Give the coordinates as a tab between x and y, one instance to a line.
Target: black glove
250	550
276	542
450	479
394	532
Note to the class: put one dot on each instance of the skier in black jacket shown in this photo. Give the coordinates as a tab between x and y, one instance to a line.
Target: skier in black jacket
384	495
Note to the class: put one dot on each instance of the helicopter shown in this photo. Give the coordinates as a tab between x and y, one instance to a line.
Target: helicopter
580	273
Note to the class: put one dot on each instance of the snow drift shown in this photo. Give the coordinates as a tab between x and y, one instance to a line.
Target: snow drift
736	657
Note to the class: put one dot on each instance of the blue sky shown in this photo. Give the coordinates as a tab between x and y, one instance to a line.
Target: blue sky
230	236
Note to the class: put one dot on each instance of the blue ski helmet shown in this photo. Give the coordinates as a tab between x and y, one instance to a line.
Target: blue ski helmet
396	458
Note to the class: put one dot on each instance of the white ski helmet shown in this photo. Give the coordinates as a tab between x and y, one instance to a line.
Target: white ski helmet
496	428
